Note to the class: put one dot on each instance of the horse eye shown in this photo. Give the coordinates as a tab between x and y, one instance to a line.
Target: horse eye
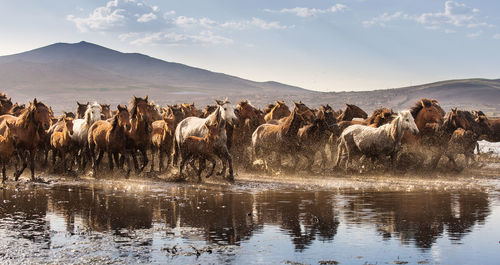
225	108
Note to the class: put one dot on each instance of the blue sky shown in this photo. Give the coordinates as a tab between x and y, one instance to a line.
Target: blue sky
323	45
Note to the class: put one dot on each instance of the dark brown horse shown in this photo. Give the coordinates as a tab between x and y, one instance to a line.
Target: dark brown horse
80	109
491	127
5	104
29	128
189	110
280	138
176	112
105	111
352	111
140	133
110	137
249	118
314	137
378	118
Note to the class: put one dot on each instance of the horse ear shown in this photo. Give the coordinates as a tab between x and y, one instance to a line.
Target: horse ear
146	98
35	101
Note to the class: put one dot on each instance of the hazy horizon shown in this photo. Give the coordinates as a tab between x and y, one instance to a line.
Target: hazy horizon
350	45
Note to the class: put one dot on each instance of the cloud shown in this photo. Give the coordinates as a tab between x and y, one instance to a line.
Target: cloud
496	36
173	38
475	34
255	23
455	14
309	12
115	15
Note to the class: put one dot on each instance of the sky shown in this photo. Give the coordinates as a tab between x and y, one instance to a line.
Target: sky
324	45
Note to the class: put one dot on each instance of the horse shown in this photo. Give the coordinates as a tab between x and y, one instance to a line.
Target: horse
80	109
139	136
194	126
175	111
375	142
80	132
28	128
110	137
201	148
5	104
16	109
428	116
162	139
314	137
189	110
7	149
280	137
352	111
491	127
279	111
105	112
209	109
61	142
249	118
378	118
69	115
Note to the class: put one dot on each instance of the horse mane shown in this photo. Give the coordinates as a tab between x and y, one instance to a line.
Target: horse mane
269	108
424	102
396	128
375	117
114	123
26	117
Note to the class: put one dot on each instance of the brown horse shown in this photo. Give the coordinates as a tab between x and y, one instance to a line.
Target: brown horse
249	118
176	112
280	138
110	137
352	111
491	127
80	109
279	111
201	148
314	137
162	140
29	128
428	116
105	111
208	110
5	104
7	149
189	110
61	142
378	118
140	133
17	109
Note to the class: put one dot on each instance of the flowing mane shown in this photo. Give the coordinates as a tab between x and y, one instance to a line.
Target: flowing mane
425	102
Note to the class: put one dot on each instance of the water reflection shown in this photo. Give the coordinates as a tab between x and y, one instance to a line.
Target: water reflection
232	217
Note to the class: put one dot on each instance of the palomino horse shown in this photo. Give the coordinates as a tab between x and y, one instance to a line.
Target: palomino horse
28	129
140	133
162	140
61	142
352	111
7	149
280	138
194	126
80	132
110	137
279	111
428	116
375	142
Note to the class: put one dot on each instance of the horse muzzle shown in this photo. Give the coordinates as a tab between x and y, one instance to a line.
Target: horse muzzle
415	131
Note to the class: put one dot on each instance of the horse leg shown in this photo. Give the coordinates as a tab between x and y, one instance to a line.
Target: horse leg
99	158
152	159
54	153
117	160
144	152
22	156
160	158
4	175
32	163
212	160
110	159
125	157
134	159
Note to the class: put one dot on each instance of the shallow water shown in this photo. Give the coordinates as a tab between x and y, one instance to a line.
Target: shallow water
120	222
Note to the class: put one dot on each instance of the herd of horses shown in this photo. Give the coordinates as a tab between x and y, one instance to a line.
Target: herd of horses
132	136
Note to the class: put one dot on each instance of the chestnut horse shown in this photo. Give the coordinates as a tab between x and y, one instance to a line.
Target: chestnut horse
162	140
280	138
428	116
110	137
378	118
140	133
249	118
492	130
7	149
279	111
61	142
28	128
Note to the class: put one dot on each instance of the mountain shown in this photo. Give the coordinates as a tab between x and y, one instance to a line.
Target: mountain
61	73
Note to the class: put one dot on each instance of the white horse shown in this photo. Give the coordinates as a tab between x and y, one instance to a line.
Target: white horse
194	126
81	128
375	142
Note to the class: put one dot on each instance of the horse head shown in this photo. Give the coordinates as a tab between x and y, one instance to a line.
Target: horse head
80	109
41	114
227	111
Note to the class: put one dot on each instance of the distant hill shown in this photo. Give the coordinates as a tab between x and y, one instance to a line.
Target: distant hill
61	73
